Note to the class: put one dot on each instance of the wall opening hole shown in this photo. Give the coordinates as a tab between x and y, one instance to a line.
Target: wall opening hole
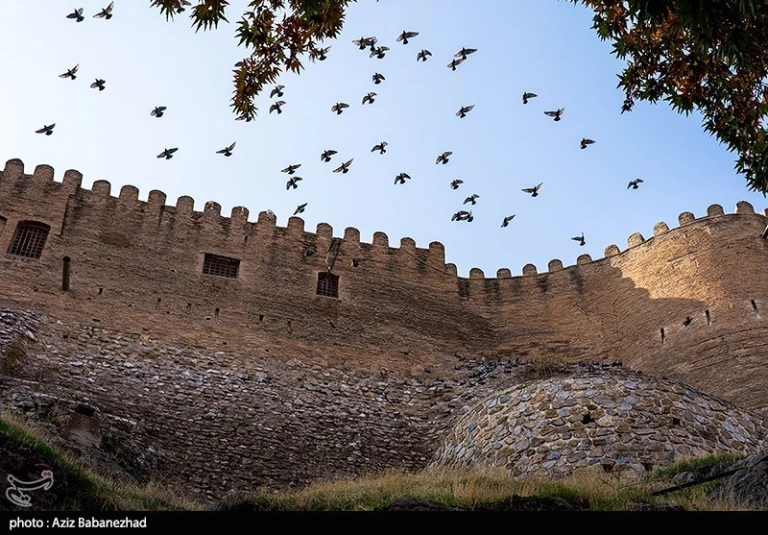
290	329
662	335
607	468
224	342
189	307
709	317
648	466
216	313
687	321
754	306
261	318
245	240
675	421
587	419
101	291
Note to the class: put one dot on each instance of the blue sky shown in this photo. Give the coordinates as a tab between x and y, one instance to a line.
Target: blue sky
543	46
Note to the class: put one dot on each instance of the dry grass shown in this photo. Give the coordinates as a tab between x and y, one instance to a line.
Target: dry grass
543	368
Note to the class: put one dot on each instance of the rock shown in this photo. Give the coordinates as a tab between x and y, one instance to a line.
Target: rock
748	486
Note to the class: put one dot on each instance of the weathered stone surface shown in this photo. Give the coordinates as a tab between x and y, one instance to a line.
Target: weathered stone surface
748	486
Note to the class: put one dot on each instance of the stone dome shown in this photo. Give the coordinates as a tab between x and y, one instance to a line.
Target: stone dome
623	421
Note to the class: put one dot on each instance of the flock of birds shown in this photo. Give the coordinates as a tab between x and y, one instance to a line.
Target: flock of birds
320	54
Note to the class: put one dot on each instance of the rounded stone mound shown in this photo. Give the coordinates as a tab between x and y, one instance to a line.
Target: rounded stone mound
620	422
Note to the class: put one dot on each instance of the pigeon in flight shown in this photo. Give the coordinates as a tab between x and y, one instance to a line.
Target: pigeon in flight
277	107
464	52
98	83
77	14
472	199
326	155
291	168
379	52
319	54
343	168
463	215
381	147
634	183
443	158
422	55
47	130
526	96
507	219
455	63
585	142
292	182
401	178
339	107
580	239
227	151
167	153
278	90
370	97
456	183
181	8
403	37
300	209
364	42
463	111
556	114
377	78
158	111
105	13
71	72
534	191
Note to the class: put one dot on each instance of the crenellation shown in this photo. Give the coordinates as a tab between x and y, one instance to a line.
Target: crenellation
476	274
611	250
43	174
185	206
583	259
73	180
437	253
212	209
504	273
635	239
295	227
529	269
101	188
351	236
14	169
715	210
686	218
554	265
660	228
129	194
156	198
324	230
380	239
743	207
451	269
408	244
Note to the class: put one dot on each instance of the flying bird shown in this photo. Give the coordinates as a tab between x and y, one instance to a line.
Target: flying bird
291	168
401	178
158	111
98	83
403	37
381	147
585	142
278	90
319	54
634	183
180	9
464	52
326	155
227	151
343	168
339	107
167	153
300	209
463	111
277	107
76	14
422	55
71	72
443	158
365	42
455	183
526	96
556	114
356	262
463	215
377	78
507	219
455	63
105	13
292	182
370	97
47	130
688	321
580	239
534	191
472	199
379	52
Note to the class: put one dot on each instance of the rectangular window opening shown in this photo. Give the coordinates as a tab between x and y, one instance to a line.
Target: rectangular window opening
29	239
328	285
221	266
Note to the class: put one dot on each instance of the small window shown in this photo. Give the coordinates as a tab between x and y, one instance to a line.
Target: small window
328	285
221	266
29	239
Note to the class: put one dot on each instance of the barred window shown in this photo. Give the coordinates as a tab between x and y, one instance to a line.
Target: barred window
29	239
221	266
328	284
